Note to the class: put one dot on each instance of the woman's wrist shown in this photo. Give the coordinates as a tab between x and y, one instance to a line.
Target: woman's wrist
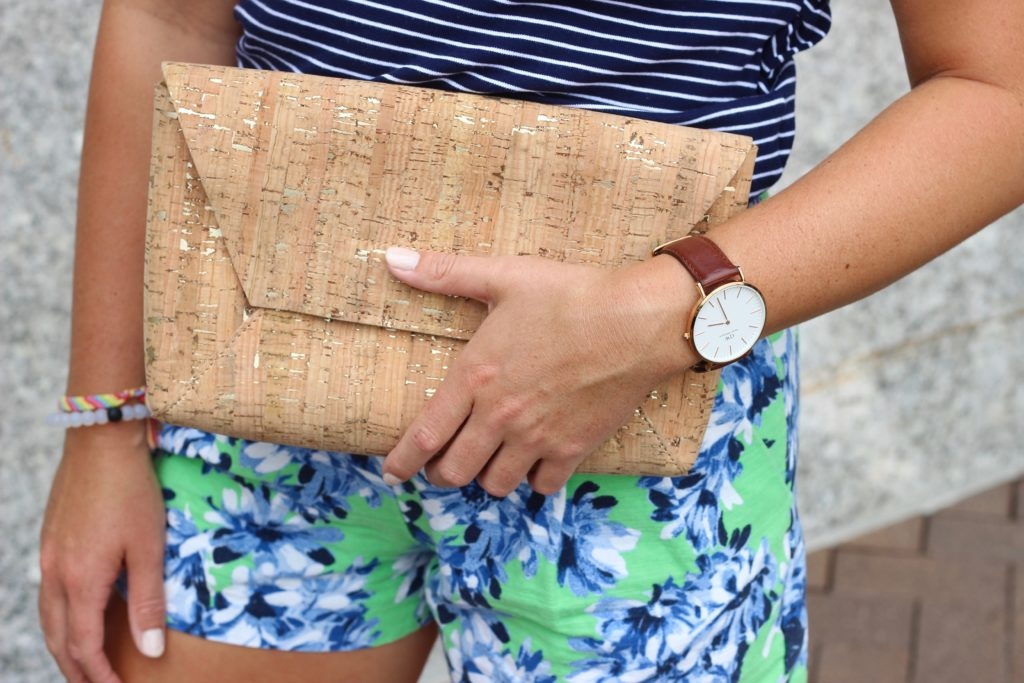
111	438
668	294
104	414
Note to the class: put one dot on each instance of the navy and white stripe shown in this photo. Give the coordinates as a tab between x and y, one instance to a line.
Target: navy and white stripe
719	64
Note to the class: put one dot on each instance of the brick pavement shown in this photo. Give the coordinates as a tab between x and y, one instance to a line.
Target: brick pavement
934	599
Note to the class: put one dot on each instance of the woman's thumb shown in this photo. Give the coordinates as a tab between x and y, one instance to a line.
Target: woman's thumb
146	602
470	276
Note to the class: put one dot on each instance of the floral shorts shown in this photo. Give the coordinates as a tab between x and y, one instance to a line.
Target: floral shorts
694	578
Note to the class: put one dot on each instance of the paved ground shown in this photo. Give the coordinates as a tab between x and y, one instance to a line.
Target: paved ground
934	599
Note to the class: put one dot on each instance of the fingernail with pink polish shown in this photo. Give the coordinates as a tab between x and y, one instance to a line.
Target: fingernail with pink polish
401	258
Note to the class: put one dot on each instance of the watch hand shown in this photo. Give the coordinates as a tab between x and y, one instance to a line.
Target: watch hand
722	309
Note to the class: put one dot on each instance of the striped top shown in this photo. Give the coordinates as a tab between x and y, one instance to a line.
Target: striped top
720	64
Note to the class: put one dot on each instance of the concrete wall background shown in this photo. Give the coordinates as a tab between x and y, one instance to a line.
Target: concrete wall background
911	398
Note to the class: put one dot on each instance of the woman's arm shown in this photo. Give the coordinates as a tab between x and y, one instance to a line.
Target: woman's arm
135	36
935	167
105	510
548	378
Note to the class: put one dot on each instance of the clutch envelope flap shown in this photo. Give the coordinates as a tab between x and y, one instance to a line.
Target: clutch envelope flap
311	178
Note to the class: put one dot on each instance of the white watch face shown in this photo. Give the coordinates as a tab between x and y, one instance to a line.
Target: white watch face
728	322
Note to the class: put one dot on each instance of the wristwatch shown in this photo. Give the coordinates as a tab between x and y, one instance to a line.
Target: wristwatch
729	316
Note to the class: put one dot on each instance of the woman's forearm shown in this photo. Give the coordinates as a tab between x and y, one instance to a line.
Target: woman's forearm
937	166
134	38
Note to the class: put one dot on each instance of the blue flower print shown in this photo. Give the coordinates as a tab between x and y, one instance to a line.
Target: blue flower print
453	507
193	443
477	552
756	379
413	567
747	388
793	616
693	503
327	481
574	533
479	653
413	513
470	572
254	614
253	522
286	614
697	632
266	458
186	583
590	551
786	349
751	585
337	605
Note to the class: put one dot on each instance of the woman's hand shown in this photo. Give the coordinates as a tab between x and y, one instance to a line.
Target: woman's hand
105	514
565	355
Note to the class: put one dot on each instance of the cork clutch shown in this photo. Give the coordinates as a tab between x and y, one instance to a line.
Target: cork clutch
269	312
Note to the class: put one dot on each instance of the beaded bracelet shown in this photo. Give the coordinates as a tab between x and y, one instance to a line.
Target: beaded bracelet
134	411
99	409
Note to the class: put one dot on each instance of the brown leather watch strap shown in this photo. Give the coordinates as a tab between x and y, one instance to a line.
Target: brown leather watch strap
708	264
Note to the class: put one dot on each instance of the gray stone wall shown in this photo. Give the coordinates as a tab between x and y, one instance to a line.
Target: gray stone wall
910	398
45	52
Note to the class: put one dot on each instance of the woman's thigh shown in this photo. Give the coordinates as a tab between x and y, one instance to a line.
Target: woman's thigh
188	658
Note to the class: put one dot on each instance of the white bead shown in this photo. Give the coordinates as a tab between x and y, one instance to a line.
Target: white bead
88	418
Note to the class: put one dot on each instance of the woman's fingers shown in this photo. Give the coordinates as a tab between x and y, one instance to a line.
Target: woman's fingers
565	355
464	457
429	434
146	604
53	619
504	472
86	606
549	476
